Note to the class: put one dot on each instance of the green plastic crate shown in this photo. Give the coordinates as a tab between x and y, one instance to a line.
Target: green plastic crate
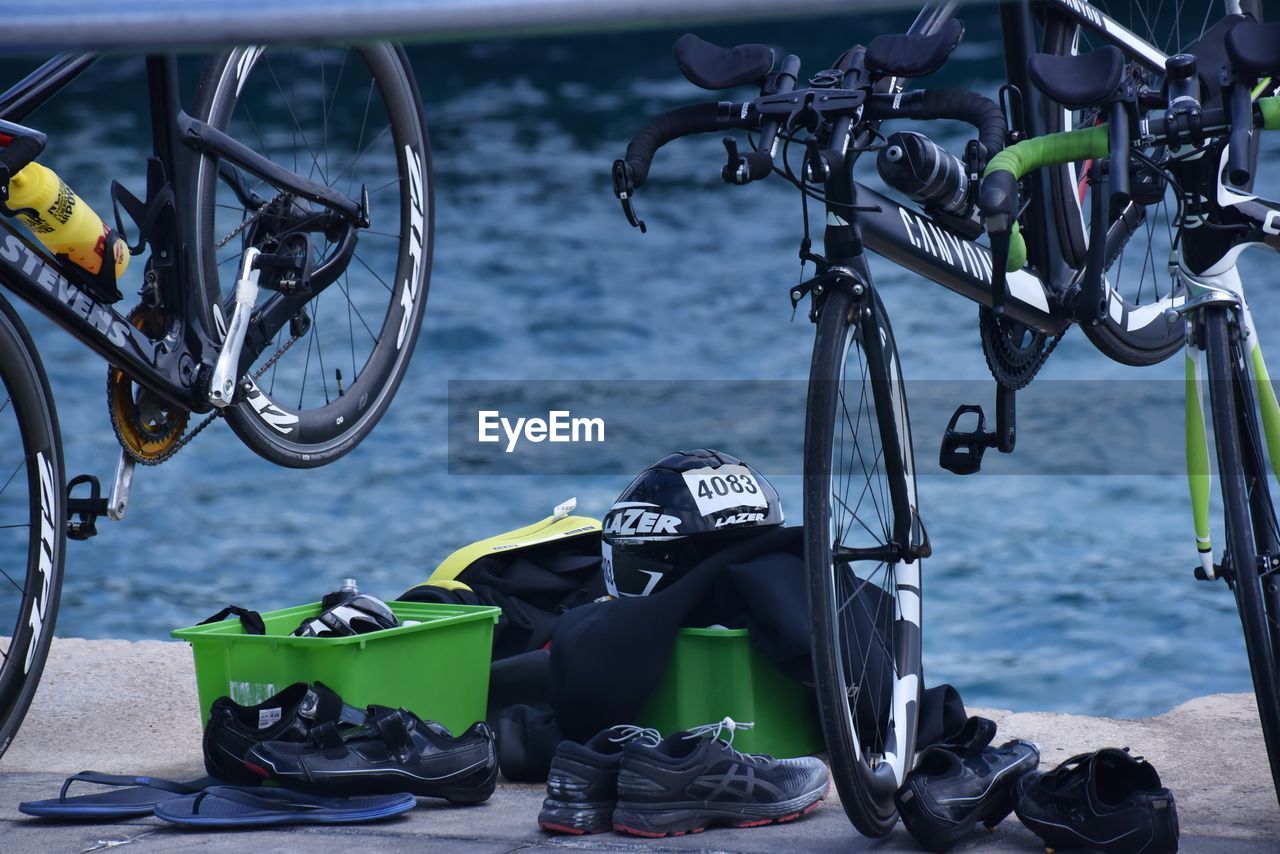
714	673
438	669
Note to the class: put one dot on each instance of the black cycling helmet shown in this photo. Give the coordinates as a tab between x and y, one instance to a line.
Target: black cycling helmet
678	512
353	615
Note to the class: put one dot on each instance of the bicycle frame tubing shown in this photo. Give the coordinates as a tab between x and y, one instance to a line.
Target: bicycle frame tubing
913	240
174	366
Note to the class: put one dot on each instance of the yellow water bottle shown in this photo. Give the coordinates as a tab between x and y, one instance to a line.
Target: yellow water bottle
65	224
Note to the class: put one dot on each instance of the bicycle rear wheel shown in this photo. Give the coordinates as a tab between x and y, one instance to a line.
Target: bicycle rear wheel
1140	283
1249	519
33	521
350	119
859	504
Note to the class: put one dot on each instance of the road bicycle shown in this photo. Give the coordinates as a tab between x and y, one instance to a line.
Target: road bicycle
865	537
286	228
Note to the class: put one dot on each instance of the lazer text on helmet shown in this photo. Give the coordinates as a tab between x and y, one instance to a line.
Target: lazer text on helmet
559	426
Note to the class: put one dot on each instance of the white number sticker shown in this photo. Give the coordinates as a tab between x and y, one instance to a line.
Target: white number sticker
721	488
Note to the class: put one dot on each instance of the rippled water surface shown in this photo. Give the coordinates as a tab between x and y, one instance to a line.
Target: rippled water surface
1064	591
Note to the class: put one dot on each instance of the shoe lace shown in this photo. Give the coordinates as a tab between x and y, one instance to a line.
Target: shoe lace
626	733
714	731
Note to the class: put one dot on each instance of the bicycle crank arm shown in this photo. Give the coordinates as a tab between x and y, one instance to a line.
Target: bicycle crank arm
222	387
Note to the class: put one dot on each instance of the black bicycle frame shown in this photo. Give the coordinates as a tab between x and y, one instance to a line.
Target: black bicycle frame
175	365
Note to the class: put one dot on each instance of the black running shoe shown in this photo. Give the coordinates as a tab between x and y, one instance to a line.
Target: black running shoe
582	786
1108	800
395	752
965	781
693	780
233	729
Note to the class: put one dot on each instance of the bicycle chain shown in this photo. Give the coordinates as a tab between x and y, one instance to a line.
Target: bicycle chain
216	413
213	416
208	419
250	220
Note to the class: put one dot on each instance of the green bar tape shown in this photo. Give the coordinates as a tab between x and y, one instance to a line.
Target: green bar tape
1267	403
1270	109
1031	154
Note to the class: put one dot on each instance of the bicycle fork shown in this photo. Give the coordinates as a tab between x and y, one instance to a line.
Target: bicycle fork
1221	292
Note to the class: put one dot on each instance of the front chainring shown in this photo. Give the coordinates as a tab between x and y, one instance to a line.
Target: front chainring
148	427
1015	353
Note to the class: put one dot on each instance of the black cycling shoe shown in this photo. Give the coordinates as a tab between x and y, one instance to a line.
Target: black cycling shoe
955	786
582	786
290	715
1108	800
395	752
693	780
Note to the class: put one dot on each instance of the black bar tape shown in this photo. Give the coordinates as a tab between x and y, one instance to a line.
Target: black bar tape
18	154
977	110
695	118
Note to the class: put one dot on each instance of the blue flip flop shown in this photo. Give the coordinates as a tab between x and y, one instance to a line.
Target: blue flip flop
237	806
138	799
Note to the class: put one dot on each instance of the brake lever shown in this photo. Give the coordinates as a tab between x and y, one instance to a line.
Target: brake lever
624	190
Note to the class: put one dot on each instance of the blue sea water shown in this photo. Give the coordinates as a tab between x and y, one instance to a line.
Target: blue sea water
1065	591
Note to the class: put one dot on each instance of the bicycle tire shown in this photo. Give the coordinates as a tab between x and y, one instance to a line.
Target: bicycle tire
1132	332
870	748
35	492
385	285
1226	402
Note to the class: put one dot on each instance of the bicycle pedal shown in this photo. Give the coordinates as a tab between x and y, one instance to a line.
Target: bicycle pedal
962	451
87	509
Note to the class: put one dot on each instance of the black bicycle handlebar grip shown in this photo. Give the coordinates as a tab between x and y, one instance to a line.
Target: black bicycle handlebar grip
977	110
17	154
1241	110
695	118
998	200
1118	145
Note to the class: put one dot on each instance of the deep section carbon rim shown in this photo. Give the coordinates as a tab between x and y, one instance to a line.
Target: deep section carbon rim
32	522
859	491
350	119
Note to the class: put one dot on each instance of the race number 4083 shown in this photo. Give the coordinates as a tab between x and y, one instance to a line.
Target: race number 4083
724	487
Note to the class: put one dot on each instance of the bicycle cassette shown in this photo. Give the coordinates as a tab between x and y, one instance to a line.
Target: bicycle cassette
149	428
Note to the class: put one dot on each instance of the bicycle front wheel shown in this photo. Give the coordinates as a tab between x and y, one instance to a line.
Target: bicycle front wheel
860	519
33	521
1249	519
352	120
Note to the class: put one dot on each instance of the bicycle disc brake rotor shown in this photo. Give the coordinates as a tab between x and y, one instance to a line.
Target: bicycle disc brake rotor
148	427
1014	352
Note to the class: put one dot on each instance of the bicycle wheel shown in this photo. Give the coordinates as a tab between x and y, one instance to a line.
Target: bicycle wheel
1140	283
33	521
349	118
1248	518
859	511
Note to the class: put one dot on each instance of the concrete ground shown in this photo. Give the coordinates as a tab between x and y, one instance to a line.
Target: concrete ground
122	707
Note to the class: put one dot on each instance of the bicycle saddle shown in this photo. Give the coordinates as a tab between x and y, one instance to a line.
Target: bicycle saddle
713	67
913	55
1079	81
1255	47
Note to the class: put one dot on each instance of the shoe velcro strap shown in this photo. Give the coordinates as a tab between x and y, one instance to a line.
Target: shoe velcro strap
325	735
394	730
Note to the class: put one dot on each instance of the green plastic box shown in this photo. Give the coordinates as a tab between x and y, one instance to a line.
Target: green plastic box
714	673
438	669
